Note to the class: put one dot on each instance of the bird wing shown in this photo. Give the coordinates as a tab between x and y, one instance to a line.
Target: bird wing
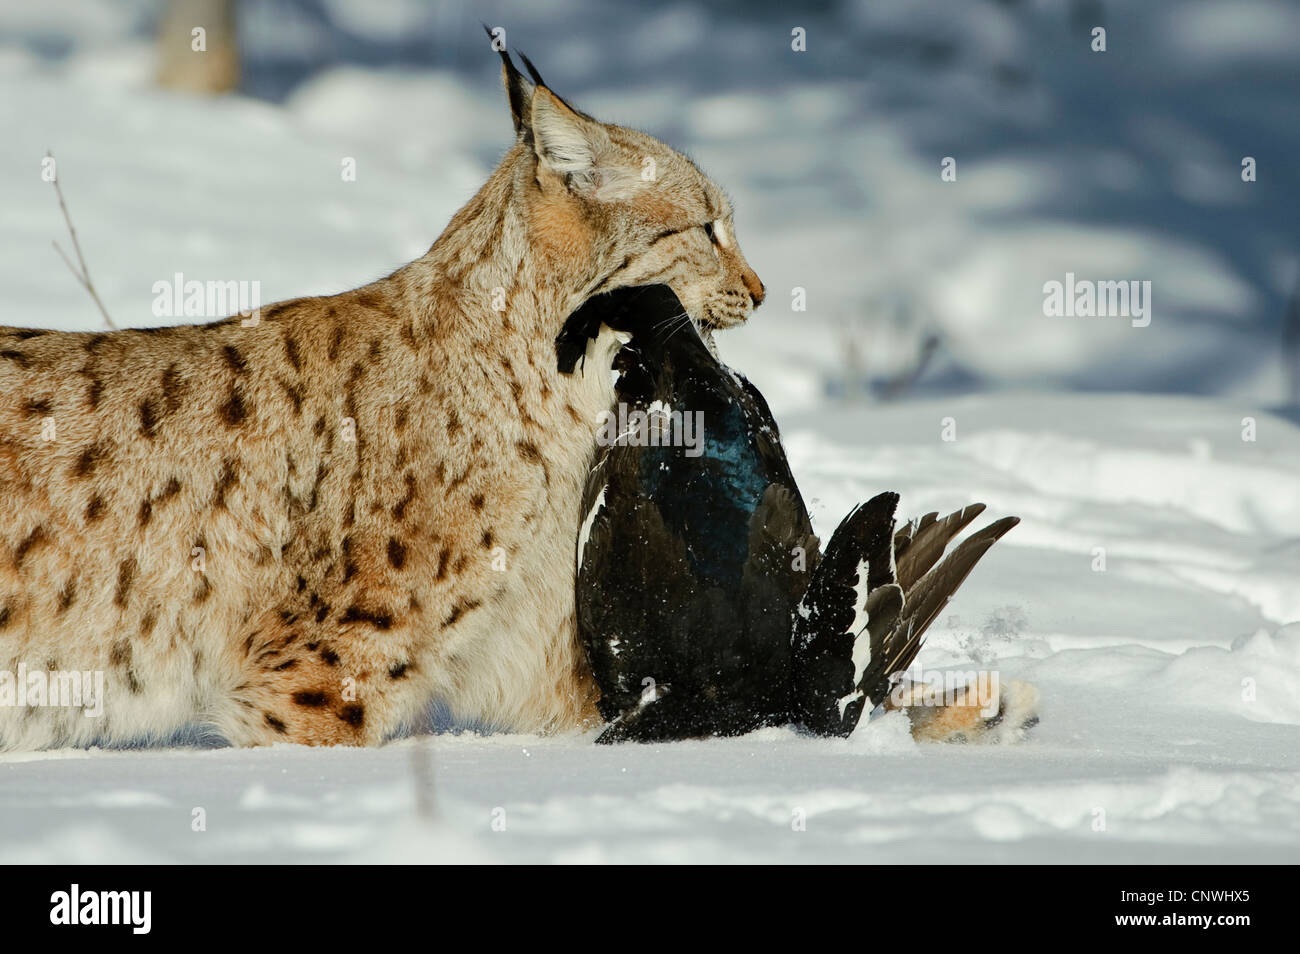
831	633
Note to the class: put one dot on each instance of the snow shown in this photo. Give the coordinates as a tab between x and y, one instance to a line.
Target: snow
1150	592
1144	669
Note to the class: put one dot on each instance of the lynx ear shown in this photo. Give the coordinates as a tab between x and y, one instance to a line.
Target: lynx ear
575	147
566	143
518	90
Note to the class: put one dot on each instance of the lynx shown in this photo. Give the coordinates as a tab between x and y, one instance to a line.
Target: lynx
303	524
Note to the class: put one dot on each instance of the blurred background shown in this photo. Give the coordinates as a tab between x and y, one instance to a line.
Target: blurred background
1117	165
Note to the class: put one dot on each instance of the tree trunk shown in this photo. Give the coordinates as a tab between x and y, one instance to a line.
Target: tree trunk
197	51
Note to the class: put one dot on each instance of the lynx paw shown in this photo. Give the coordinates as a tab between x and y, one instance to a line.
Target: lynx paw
979	713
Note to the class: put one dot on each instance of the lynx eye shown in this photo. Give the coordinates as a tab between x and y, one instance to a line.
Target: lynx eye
708	230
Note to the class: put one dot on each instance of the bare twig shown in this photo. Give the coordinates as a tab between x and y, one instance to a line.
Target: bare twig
83	274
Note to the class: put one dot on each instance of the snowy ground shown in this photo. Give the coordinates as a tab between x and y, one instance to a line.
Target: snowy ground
1170	680
1142	668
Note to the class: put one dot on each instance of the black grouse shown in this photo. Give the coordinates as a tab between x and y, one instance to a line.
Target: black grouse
703	599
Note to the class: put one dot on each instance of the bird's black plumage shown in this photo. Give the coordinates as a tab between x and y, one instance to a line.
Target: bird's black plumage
687	574
703	600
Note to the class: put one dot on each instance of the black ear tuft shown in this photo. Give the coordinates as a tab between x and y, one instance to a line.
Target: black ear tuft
537	79
532	71
517	89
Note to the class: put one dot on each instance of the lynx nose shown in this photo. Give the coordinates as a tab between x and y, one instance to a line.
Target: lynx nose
754	286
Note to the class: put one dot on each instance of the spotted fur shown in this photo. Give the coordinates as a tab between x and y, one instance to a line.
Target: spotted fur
306	524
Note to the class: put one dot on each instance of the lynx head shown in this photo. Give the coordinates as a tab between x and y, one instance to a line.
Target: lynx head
630	209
